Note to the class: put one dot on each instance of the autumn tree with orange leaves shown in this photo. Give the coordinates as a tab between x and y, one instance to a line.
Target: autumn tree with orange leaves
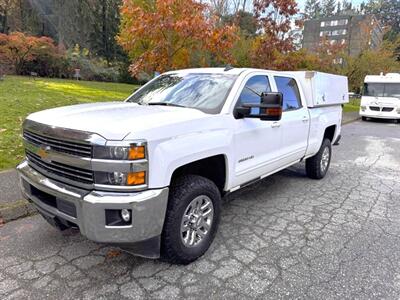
275	19
163	35
17	49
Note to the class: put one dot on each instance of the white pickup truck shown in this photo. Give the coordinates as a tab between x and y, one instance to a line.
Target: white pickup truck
148	174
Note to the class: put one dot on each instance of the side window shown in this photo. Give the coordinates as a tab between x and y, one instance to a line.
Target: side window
291	95
253	88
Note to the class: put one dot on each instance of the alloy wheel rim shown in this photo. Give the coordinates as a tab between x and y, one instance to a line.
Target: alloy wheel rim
325	159
197	220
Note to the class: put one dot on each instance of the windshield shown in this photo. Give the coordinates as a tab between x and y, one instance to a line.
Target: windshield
203	91
382	89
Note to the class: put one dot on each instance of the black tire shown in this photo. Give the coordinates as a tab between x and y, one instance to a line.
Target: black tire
314	168
364	118
182	192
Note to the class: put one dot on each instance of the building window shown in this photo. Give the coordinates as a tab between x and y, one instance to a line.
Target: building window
333	32
340	22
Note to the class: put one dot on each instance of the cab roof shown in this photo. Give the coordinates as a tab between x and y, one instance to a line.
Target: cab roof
226	70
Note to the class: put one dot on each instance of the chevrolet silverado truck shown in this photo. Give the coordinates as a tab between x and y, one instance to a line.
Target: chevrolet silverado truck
148	174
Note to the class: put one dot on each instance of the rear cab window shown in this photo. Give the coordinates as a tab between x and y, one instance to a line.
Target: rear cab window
290	91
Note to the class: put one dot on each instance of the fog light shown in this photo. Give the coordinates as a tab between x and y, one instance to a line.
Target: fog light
125	215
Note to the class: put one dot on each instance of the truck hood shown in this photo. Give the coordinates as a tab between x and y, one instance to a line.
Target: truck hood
114	120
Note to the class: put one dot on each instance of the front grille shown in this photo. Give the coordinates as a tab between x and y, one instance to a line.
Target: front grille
375	108
387	109
59	169
69	147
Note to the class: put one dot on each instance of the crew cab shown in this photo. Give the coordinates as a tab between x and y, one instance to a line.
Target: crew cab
148	173
381	97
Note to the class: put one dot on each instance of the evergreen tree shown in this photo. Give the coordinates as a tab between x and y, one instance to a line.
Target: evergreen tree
105	28
328	8
388	13
339	8
347	5
312	9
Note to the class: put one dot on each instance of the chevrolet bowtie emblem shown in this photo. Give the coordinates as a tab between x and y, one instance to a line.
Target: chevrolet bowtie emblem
43	152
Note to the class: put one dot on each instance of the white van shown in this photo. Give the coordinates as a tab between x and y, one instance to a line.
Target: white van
381	97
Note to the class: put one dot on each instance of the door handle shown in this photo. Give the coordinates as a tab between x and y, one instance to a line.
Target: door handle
305	119
275	124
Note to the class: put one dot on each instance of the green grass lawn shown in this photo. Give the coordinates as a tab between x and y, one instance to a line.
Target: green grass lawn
20	96
353	105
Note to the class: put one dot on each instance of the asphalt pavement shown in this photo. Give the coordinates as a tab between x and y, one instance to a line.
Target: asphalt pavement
286	237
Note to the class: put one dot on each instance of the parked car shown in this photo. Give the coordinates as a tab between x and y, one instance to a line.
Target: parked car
148	174
381	97
353	95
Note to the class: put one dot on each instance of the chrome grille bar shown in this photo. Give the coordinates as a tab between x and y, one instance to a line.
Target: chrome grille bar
74	148
70	172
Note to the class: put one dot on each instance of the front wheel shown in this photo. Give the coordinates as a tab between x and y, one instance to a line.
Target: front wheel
317	166
193	213
364	118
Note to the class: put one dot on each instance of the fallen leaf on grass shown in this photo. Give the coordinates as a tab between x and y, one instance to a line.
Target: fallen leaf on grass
113	253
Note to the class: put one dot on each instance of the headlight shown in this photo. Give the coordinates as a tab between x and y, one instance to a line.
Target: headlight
120	178
129	152
121	163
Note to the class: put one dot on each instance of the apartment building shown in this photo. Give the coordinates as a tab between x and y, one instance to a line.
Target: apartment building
356	32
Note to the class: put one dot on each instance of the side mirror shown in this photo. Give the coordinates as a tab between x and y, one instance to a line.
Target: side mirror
270	108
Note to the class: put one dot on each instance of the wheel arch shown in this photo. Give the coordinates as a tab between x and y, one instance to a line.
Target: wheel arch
214	168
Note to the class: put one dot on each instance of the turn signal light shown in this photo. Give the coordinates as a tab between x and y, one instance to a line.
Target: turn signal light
274	111
136	152
136	178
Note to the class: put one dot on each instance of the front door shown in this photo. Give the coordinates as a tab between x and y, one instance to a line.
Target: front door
257	143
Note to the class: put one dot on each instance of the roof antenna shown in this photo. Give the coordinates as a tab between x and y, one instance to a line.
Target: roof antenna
228	67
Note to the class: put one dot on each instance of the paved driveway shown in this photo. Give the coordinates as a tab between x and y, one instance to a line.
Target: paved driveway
286	237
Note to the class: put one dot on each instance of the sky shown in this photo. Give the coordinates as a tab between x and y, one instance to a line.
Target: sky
302	2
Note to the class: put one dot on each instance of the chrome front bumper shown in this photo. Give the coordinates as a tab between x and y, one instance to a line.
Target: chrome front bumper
148	209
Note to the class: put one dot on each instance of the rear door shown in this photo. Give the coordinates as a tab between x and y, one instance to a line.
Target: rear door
295	120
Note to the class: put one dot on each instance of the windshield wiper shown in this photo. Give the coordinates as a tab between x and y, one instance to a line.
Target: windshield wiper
165	104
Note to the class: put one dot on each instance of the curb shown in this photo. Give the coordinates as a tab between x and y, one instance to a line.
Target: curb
351	121
7	170
16	210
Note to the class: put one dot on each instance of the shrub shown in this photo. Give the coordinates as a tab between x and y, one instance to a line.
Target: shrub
30	54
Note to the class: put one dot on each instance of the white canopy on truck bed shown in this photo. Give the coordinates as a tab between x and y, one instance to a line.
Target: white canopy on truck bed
322	89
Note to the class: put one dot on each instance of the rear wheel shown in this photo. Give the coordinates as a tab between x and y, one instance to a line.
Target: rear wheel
192	219
318	165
